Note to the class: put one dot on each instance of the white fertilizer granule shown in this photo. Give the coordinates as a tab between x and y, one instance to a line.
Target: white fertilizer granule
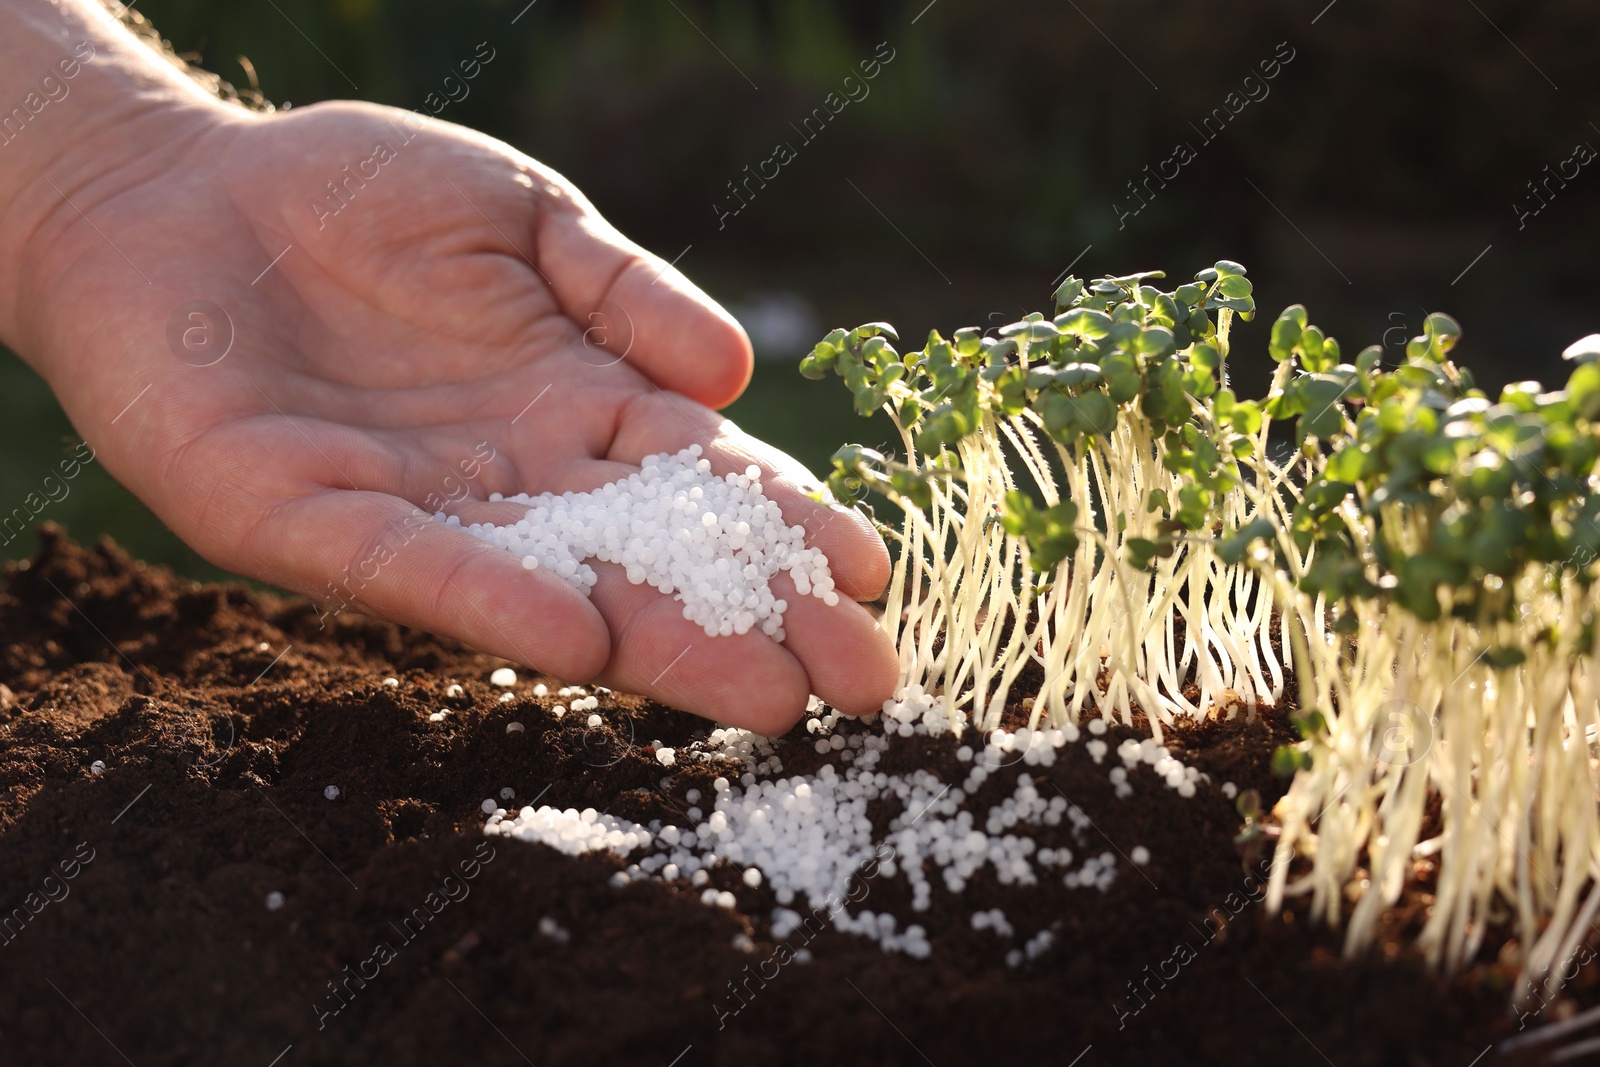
807	836
715	543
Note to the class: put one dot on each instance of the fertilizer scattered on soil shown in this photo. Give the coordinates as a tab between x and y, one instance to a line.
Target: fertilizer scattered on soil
164	941
808	835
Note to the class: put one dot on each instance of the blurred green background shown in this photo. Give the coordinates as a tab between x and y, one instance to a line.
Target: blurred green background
998	146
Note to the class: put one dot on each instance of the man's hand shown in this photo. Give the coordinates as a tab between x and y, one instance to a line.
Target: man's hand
287	333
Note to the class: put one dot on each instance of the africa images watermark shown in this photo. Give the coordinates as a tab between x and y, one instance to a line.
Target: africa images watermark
344	187
856	891
22	517
52	890
1251	90
855	90
52	89
1541	996
342	594
1152	981
1583	153
452	890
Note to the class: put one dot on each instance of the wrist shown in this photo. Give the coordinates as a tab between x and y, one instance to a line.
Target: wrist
87	110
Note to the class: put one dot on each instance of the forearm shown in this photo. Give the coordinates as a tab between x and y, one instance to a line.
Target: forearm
81	98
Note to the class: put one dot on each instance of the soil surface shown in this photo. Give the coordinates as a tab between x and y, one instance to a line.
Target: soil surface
137	926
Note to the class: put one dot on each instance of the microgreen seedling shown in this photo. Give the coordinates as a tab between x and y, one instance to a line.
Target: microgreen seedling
1086	492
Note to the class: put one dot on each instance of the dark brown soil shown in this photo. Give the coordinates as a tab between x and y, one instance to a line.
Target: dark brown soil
221	715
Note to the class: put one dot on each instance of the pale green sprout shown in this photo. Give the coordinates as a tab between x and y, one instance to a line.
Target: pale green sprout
1061	486
1086	495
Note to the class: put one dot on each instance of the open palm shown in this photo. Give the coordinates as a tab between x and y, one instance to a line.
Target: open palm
288	333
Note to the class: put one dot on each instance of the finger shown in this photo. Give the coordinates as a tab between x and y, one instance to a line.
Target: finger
745	680
849	660
682	339
637	306
371	552
664	422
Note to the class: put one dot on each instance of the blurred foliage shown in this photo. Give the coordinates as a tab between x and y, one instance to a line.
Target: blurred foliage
988	154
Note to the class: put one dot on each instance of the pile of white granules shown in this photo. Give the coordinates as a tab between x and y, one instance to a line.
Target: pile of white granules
808	836
714	542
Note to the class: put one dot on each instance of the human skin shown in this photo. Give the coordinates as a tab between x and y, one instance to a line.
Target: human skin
375	357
